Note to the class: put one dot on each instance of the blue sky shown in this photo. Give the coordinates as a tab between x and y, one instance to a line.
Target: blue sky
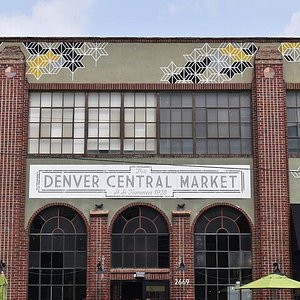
154	18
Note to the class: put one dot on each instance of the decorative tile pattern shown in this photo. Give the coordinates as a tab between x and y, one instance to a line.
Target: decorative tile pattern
290	51
209	65
50	58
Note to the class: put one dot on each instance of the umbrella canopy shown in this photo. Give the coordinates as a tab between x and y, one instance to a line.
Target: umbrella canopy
3	284
272	281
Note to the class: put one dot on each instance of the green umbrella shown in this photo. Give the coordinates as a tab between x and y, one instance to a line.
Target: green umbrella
3	284
272	281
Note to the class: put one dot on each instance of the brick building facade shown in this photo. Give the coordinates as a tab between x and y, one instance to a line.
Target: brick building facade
148	168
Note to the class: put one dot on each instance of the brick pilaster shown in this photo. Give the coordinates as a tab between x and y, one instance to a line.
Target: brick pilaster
13	150
272	234
99	251
182	251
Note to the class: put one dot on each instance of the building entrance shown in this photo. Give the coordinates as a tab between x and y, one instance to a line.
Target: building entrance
140	290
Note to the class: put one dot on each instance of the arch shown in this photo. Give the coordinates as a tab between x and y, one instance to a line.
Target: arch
56	204
57	254
140	238
223	250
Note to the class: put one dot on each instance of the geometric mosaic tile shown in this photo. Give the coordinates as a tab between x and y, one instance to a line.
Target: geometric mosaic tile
50	58
290	51
211	65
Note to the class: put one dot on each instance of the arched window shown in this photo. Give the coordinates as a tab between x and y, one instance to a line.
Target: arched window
222	252
140	239
57	255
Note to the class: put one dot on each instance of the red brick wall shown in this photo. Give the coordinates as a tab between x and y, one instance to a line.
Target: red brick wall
182	248
272	233
13	150
98	250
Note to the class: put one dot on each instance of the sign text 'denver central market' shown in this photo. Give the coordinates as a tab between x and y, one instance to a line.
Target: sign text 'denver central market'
139	181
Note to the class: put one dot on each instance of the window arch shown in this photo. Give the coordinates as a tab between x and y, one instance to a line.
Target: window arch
222	244
57	255
140	239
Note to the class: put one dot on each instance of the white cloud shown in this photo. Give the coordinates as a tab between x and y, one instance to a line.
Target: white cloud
49	18
209	7
293	28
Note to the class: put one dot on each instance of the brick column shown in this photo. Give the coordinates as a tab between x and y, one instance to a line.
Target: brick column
272	233
182	251
13	150
99	251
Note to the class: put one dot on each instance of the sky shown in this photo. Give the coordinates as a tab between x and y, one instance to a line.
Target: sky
152	18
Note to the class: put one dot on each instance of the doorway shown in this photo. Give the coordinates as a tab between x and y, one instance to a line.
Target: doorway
140	290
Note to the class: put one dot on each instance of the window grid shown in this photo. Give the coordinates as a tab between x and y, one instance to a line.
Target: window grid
140	123
223	123
140	239
165	123
56	123
293	119
57	256
222	247
104	117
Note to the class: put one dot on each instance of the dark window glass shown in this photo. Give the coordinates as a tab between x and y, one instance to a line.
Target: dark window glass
53	267
293	121
222	245
141	240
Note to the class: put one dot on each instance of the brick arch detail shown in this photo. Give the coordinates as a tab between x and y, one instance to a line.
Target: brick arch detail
57	204
222	204
119	212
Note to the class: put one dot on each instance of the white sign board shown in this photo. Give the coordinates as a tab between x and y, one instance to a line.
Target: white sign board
139	181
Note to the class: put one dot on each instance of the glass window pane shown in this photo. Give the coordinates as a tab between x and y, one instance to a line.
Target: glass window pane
151	146
34	115
128	99
128	145
68	99
165	130
46	99
212	115
44	146
78	130
104	115
151	100
34	130
140	99
79	115
165	115
115	130
176	115
115	99
151	115
140	130
45	115
129	115
140	145
34	99
79	99
68	115
140	115
115	115
93	100
93	130
129	130
56	130
104	130
33	146
79	146
151	130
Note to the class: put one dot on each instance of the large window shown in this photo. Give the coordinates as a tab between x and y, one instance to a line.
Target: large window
222	243
164	123
57	256
293	119
140	239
